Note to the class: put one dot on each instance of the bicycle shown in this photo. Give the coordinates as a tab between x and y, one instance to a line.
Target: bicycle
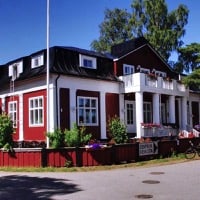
192	151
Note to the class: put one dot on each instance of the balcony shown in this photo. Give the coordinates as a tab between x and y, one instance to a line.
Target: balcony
140	82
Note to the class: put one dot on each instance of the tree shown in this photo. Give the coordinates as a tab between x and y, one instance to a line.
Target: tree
161	28
189	58
193	80
150	19
114	29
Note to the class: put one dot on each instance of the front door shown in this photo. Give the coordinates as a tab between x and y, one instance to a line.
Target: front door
130	116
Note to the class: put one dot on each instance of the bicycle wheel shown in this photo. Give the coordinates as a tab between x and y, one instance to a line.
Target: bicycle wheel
190	153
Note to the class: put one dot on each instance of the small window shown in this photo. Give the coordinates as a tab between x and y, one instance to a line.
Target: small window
15	70
36	111
159	73
87	61
12	112
128	69
145	70
87	111
37	61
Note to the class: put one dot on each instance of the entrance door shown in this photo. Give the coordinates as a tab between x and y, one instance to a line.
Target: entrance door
64	109
130	116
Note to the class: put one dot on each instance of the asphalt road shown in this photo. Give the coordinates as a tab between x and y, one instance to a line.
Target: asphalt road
170	182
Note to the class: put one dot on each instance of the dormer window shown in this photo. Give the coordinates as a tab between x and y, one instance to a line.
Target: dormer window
15	70
87	61
37	61
128	69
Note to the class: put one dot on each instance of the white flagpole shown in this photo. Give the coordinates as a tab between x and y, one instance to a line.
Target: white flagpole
47	74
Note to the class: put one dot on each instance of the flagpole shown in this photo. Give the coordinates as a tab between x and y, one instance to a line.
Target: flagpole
47	75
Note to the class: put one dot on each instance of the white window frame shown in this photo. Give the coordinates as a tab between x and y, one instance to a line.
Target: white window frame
12	112
128	69
147	113
144	70
37	61
90	59
15	70
35	110
160	73
84	109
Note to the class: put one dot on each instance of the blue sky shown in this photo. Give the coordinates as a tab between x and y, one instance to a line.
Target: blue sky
72	23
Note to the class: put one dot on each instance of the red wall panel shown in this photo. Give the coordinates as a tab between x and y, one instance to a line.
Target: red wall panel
38	132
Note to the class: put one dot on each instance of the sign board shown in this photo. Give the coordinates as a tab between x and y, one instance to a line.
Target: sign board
148	148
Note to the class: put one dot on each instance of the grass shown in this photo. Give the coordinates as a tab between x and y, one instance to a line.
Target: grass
155	162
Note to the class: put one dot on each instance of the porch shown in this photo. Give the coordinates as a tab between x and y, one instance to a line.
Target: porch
155	100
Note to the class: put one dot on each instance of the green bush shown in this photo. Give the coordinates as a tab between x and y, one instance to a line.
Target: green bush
56	138
117	129
76	137
6	132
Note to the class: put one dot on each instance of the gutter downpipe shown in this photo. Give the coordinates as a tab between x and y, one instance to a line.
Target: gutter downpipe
57	99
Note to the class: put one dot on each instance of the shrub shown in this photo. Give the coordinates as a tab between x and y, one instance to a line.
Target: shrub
76	137
6	132
56	138
117	130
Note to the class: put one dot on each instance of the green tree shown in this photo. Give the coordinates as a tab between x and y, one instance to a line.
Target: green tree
193	80
188	58
163	29
114	29
150	19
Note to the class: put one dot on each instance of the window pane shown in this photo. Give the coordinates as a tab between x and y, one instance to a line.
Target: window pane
87	102
94	118
40	117
87	112
93	103
40	102
81	116
81	102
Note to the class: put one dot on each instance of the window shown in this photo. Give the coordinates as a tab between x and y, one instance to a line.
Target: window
128	69
15	70
36	110
37	61
87	61
147	112
129	113
87	111
144	70
12	112
159	73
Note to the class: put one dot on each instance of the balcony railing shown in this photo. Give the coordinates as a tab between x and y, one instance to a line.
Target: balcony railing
145	82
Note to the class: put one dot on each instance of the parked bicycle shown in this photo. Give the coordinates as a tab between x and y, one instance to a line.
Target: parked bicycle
192	151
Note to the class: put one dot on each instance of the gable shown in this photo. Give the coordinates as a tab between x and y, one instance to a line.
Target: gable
145	57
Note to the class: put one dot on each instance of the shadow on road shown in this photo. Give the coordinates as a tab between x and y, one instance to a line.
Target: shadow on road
25	187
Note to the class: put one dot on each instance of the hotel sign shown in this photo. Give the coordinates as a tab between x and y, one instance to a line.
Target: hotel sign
149	148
